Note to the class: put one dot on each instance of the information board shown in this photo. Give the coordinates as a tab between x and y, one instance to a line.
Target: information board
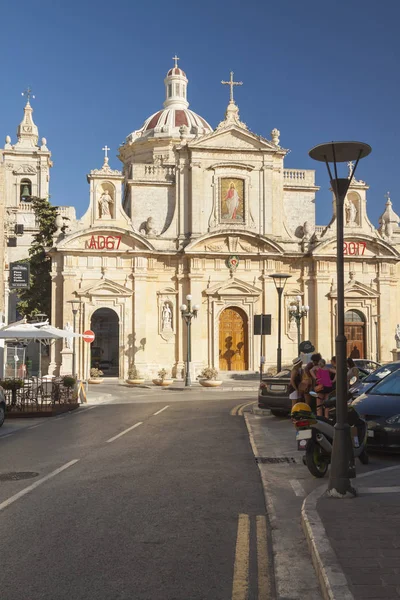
19	275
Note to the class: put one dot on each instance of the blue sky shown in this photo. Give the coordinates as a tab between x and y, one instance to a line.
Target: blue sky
315	70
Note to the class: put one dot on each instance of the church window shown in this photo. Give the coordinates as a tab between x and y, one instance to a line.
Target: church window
25	190
169	90
177	89
184	91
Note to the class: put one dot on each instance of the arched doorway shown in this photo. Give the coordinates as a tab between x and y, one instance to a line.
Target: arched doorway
104	352
354	330
233	340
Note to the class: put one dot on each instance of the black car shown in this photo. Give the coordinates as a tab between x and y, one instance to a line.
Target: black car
366	365
364	385
273	393
380	407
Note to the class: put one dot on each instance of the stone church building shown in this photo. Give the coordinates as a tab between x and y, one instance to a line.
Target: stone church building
212	213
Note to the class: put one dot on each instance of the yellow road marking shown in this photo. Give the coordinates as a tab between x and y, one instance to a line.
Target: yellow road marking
240	411
240	586
235	409
262	558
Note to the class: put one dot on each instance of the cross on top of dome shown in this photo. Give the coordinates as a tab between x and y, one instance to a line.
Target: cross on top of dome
176	58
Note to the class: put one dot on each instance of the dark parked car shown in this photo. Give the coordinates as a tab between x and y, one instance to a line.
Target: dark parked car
273	393
366	365
366	384
380	407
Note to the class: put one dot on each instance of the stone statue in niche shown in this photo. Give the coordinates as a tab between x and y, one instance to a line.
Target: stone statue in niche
350	212
397	336
105	205
166	317
68	340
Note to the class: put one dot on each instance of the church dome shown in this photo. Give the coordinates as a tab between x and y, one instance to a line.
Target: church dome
176	114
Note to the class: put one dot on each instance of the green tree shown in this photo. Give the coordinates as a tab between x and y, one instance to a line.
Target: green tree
37	299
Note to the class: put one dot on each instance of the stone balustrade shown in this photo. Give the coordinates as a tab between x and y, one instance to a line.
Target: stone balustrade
298	178
153	173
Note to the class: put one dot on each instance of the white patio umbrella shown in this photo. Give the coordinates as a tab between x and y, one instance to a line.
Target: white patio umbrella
35	331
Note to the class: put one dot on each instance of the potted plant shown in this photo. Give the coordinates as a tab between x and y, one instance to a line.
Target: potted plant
13	385
208	377
162	378
68	381
134	376
96	376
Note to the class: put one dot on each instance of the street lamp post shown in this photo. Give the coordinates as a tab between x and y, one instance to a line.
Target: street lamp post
280	280
188	313
342	461
377	317
75	305
297	311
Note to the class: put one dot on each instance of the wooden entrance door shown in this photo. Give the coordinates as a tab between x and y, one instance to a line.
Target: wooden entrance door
354	330
233	347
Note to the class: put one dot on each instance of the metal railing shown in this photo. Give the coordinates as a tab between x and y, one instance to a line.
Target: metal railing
35	394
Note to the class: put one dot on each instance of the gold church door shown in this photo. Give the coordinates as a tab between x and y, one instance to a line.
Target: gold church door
233	346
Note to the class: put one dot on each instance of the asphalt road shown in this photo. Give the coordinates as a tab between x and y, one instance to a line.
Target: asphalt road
152	497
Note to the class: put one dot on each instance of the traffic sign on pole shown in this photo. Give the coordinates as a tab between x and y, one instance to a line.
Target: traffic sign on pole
88	336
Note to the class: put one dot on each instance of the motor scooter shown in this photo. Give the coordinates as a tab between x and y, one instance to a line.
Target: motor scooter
314	434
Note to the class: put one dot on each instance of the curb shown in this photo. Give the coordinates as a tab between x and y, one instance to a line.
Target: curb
333	582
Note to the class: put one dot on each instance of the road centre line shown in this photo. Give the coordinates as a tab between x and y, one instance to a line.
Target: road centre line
262	558
240	583
297	488
124	432
160	411
36	484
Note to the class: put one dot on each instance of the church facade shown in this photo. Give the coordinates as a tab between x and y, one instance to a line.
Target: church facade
212	214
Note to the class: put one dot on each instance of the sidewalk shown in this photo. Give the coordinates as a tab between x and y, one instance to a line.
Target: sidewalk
355	542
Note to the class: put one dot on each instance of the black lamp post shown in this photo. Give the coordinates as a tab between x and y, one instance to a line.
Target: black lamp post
297	311
280	280
188	313
377	317
75	304
342	464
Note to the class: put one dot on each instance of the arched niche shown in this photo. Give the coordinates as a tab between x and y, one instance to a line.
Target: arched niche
105	200
352	209
25	190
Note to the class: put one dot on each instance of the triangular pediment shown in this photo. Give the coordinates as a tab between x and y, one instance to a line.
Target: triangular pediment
233	287
105	288
232	242
234	138
355	289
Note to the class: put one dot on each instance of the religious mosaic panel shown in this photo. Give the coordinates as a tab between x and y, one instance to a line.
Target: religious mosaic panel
232	200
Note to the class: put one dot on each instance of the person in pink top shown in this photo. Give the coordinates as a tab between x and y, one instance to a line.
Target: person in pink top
323	387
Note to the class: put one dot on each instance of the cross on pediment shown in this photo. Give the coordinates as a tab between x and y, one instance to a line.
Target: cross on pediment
105	150
231	83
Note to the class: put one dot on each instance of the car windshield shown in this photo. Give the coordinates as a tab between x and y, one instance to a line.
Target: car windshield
382	372
389	386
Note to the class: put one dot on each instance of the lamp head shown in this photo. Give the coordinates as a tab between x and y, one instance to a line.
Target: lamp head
189	297
183	308
280	280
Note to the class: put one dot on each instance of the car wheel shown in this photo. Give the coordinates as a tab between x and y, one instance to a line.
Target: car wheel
279	413
2	414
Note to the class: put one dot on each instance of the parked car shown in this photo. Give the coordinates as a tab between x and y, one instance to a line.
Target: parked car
273	393
366	384
366	365
380	407
2	407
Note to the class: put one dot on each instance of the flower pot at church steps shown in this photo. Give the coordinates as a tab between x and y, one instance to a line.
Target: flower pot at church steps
135	381
96	380
210	382
163	382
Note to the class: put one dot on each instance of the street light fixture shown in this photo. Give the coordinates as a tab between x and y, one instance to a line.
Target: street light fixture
75	305
297	312
188	313
280	280
342	464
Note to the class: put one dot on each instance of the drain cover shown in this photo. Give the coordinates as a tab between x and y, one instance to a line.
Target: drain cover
276	459
17	475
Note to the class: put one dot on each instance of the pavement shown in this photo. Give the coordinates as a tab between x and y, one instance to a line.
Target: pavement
354	543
